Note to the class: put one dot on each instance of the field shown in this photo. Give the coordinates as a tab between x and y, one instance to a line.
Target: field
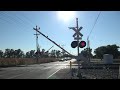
23	61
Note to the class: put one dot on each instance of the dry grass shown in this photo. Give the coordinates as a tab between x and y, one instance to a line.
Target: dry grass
23	61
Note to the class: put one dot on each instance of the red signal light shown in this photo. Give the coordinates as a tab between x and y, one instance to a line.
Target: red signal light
82	44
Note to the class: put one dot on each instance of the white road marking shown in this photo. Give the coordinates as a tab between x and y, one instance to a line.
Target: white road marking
54	73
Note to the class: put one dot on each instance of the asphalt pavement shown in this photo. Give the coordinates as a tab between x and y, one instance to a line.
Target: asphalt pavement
36	71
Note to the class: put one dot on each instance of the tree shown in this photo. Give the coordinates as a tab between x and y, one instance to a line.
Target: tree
1	54
100	51
7	53
12	53
32	53
19	53
53	53
15	53
86	51
58	53
27	54
109	49
43	53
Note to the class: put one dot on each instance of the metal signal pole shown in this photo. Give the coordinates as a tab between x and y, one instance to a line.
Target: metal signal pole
79	75
77	35
37	45
88	47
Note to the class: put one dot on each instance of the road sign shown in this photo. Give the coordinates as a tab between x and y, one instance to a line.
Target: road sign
82	44
74	44
77	38
77	32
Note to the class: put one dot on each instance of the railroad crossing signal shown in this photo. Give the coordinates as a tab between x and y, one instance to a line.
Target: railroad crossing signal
77	33
82	44
77	38
74	44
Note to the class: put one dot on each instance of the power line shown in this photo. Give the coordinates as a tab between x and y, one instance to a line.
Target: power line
4	20
88	42
11	19
30	22
21	19
18	20
20	24
94	24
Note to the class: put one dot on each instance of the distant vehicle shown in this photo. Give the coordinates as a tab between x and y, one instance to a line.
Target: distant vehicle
67	58
62	59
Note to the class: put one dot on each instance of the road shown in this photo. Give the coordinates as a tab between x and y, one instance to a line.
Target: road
36	71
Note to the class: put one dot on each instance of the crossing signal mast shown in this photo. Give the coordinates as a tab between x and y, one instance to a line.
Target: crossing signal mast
77	36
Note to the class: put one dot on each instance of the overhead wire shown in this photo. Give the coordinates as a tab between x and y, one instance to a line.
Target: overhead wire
19	20
29	20
23	21
88	42
12	19
20	24
1	18
94	24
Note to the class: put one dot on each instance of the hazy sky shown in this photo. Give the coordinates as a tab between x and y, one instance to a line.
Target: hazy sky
16	29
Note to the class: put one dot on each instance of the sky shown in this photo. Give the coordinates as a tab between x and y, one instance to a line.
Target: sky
16	29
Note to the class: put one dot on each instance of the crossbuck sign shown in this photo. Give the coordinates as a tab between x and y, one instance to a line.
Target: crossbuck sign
77	32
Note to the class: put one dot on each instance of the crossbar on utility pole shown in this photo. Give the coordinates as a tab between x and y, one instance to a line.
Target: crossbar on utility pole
36	42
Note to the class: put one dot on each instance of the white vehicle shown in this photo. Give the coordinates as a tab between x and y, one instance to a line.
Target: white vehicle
62	59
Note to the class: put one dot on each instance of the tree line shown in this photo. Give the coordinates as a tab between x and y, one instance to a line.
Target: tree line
11	53
100	51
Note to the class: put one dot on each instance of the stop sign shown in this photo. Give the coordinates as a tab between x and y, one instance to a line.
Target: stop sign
82	44
74	44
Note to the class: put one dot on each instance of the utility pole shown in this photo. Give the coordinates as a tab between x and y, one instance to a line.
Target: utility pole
37	45
52	41
88	47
